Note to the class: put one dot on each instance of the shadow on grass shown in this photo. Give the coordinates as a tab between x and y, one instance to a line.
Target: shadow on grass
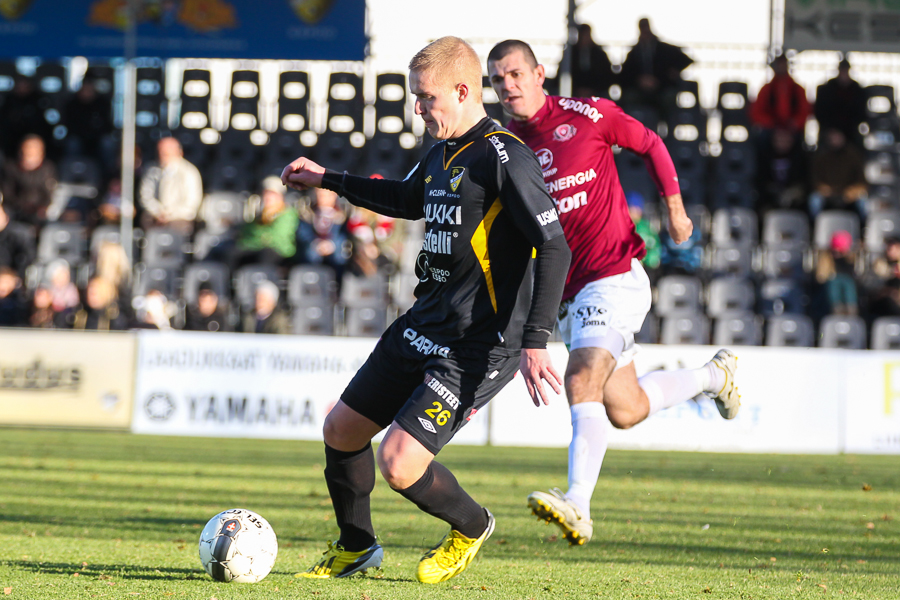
98	570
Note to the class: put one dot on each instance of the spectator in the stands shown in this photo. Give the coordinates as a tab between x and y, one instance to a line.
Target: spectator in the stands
885	302
783	172
266	316
172	191
17	249
21	115
271	238
591	70
841	104
209	313
42	314
64	294
100	311
89	119
322	234
376	239
837	176
154	311
652	70
887	266
781	103
836	278
644	229
685	258
28	182
13	308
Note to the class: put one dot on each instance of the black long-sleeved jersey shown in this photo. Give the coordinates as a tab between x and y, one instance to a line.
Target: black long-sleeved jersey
486	208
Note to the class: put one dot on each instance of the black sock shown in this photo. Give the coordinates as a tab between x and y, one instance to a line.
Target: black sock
351	478
439	494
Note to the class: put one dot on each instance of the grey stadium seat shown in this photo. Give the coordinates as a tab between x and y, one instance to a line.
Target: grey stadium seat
685	328
842	331
790	330
786	260
880	225
785	226
735	226
311	285
732	259
313	319
223	210
165	248
364	291
830	221
365	321
214	273
62	240
164	279
729	294
782	296
737	329
677	293
886	333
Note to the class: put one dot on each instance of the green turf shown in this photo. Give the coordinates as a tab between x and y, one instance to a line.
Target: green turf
106	515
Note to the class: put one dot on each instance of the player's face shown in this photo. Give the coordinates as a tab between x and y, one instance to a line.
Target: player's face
519	85
438	104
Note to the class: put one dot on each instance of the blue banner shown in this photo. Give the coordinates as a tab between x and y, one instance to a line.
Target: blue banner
255	29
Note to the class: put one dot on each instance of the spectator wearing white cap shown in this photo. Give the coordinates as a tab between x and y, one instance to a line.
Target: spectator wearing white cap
266	316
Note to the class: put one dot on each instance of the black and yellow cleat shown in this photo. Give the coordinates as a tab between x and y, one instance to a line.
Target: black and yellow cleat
554	507
452	555
337	562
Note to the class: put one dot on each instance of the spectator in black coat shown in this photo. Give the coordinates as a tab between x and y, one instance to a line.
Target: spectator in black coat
89	119
28	183
13	308
841	105
208	314
17	249
591	70
783	174
652	70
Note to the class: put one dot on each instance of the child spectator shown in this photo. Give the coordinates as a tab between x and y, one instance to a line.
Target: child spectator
42	314
835	275
64	294
100	311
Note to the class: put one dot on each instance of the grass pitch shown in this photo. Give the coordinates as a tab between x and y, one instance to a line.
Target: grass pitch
108	515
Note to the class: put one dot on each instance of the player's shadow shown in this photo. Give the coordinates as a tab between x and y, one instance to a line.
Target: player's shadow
120	571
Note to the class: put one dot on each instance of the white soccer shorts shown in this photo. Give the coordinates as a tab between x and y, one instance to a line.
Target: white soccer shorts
607	313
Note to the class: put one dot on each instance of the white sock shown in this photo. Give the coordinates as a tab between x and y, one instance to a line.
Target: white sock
590	430
666	389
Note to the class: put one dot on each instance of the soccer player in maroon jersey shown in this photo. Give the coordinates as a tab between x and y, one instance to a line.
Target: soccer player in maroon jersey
607	292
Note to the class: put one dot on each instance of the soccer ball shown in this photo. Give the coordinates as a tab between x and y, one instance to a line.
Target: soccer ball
238	545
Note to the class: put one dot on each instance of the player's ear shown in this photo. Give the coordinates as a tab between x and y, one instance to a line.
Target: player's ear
462	92
540	75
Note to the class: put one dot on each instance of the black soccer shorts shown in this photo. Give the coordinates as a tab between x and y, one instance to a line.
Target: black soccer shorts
431	391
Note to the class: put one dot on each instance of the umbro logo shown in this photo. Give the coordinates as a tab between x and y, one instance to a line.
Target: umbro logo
427	425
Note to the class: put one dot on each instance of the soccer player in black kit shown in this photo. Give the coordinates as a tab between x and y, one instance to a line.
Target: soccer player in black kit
484	309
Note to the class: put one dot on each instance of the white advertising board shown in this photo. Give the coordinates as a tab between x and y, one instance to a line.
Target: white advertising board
790	404
872	419
252	386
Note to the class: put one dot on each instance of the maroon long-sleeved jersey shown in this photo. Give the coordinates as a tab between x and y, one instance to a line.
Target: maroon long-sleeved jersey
573	139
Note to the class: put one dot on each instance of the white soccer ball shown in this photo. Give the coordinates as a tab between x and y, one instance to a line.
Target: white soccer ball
238	545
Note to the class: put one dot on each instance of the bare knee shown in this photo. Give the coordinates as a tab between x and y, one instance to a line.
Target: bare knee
622	419
340	437
395	470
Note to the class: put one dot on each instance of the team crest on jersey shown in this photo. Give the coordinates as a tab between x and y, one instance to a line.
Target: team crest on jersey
564	132
456	176
545	157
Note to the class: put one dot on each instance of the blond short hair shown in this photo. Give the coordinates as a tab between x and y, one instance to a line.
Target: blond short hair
451	61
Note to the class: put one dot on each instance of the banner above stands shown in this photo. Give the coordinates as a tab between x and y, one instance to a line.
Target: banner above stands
268	29
846	26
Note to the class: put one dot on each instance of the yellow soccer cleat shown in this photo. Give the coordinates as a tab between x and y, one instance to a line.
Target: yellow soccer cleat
452	556
554	507
337	562
728	399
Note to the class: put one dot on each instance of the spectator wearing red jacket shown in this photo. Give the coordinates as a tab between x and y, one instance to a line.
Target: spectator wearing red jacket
781	103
